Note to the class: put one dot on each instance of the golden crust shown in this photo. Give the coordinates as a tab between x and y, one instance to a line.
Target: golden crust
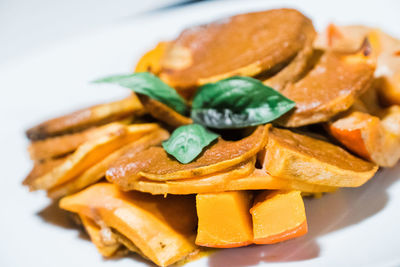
86	118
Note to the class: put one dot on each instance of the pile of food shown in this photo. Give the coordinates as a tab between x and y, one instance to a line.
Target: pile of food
227	128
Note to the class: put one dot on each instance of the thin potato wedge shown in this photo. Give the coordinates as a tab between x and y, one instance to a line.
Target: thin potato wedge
236	179
217	182
40	168
163	229
155	164
97	171
106	246
298	157
62	145
86	118
90	153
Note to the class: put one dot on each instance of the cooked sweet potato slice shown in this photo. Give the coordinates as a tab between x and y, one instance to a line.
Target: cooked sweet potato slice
97	171
62	145
155	164
106	244
163	229
151	60
342	38
224	219
298	157
246	44
40	168
296	68
329	88
90	153
164	113
86	118
217	182
373	138
278	216
239	178
386	48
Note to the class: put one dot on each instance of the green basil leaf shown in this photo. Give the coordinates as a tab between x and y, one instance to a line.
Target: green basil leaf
148	84
188	141
238	102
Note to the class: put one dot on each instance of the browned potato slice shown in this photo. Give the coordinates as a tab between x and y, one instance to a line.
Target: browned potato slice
296	68
90	153
86	118
372	137
298	157
205	184
104	239
62	145
155	164
329	88
97	171
162	228
342	38
241	177
164	113
246	44
40	168
386	48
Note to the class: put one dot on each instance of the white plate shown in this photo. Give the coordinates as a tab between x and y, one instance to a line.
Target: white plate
354	227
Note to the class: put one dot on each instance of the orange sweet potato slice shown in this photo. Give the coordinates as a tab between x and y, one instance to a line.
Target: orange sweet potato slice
246	44
151	60
40	168
163	229
278	216
62	145
386	48
297	67
224	219
342	38
242	177
90	153
374	138
86	118
106	248
97	171
217	182
155	164
164	113
329	88
295	156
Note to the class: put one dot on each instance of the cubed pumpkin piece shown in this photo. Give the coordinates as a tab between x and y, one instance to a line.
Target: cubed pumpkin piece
224	219
278	216
163	229
374	138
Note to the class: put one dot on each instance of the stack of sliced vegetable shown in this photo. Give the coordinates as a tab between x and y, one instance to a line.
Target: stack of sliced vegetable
226	129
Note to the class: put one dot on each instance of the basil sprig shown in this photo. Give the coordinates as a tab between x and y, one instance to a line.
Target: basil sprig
148	84
188	141
238	102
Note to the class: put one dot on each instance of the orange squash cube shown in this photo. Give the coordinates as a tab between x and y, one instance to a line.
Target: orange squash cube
278	216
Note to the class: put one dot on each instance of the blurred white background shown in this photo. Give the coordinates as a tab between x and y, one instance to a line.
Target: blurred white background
28	26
